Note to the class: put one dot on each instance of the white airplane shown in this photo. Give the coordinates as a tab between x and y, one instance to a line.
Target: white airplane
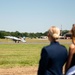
15	39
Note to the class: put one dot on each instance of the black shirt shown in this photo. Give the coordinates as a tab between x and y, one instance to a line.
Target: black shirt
73	60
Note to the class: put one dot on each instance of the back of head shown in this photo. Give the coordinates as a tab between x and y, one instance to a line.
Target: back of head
54	32
73	33
73	30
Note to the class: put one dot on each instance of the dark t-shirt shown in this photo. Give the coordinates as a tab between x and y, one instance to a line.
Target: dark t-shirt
73	60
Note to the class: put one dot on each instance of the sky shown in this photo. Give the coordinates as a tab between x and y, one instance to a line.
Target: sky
36	15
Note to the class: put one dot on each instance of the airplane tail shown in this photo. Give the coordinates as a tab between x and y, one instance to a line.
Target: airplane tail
23	40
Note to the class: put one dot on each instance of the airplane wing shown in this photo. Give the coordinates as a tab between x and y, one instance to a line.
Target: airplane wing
15	38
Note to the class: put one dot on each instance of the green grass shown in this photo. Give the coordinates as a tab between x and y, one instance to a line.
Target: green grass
19	54
13	55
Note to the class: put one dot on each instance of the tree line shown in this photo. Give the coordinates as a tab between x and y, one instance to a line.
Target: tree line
26	34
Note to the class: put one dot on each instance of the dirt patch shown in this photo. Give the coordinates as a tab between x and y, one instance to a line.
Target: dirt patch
19	71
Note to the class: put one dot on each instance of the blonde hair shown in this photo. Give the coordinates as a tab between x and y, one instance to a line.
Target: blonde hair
54	32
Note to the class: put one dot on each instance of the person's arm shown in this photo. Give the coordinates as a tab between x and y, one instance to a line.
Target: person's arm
43	62
71	51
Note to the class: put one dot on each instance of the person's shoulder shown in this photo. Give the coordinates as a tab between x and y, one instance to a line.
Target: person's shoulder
72	49
72	46
44	49
48	47
63	46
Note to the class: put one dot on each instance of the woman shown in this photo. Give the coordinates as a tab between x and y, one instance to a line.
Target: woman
53	56
70	65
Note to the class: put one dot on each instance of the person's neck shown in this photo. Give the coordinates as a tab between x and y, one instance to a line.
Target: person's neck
53	40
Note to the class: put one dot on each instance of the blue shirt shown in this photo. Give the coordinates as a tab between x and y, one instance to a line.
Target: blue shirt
52	59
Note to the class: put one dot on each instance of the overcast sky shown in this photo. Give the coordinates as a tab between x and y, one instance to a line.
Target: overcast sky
36	15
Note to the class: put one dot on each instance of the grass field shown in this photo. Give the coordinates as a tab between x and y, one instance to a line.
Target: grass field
22	58
19	54
12	55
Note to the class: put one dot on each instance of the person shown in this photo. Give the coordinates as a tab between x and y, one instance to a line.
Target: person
70	65
53	56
